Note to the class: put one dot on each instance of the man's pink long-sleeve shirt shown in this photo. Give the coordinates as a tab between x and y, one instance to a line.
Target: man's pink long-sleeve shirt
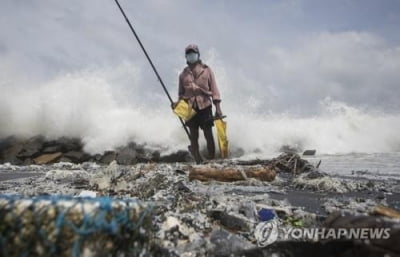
198	86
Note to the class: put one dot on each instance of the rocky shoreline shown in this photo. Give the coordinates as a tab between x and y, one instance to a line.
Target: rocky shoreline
212	218
39	150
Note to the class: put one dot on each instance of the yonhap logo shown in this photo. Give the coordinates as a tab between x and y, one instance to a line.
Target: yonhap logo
266	232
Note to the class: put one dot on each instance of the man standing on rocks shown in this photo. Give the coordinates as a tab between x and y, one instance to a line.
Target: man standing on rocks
198	87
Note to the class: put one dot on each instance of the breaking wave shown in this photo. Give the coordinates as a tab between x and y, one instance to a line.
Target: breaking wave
106	109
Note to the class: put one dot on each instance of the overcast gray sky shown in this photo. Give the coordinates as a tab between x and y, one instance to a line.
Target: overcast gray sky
280	56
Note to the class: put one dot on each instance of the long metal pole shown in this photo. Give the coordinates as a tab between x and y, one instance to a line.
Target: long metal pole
151	63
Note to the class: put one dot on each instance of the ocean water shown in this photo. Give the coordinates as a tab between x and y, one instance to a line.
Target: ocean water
379	166
376	166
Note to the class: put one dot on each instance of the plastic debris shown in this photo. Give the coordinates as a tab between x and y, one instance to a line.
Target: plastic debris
67	226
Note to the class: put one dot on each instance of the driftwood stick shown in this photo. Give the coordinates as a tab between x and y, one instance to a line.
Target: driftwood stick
243	174
231	174
319	163
386	211
291	158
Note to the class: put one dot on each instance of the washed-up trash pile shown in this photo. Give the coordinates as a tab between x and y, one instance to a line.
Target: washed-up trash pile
201	214
67	226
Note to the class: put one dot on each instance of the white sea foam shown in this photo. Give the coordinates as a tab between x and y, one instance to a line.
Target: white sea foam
338	129
92	105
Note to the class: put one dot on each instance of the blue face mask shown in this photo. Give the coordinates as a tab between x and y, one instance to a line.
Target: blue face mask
192	57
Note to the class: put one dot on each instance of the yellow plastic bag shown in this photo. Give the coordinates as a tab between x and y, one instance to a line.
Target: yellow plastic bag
222	137
184	110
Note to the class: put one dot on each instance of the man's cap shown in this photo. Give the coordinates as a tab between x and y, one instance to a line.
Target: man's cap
192	47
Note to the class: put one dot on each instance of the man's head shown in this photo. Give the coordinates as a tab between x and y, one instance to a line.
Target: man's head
192	54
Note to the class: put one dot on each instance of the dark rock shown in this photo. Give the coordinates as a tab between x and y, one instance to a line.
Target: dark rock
31	148
9	155
64	159
52	149
309	152
180	156
126	156
108	157
77	156
138	148
27	161
145	157
9	149
235	152
142	154
97	157
7	142
155	156
65	144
